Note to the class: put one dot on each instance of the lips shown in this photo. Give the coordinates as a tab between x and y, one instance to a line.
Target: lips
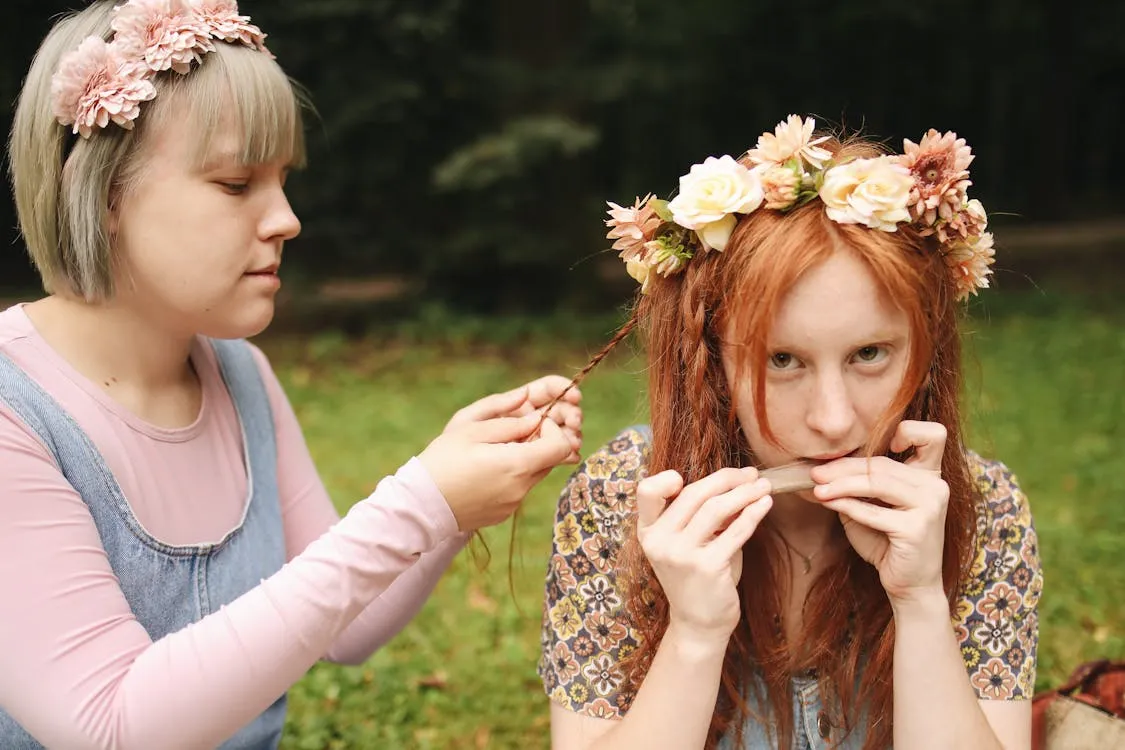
270	270
826	457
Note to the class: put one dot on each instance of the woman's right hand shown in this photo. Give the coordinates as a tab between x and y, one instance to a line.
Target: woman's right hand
693	537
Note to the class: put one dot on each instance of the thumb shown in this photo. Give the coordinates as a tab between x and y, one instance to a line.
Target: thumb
495	405
653	494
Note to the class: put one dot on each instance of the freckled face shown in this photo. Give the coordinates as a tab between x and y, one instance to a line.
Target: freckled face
838	351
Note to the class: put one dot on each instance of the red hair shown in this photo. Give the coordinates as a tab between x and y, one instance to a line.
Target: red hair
847	616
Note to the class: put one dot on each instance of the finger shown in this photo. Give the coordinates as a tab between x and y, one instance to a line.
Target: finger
502	429
718	512
495	405
884	486
549	448
542	391
688	502
861	465
926	438
654	493
741	528
885	520
566	415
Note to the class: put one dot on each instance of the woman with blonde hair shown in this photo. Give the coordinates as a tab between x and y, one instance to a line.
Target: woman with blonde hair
170	562
799	551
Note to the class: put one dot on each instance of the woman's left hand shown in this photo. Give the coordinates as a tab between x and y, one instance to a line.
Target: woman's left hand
894	512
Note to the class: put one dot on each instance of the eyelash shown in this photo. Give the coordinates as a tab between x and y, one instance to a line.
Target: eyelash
235	188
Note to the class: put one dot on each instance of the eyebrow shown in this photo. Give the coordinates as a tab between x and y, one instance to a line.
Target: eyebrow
853	342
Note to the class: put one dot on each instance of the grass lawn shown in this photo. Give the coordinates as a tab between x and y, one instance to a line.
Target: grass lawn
1045	397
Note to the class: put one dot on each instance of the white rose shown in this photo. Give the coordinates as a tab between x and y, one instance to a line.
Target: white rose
872	192
710	194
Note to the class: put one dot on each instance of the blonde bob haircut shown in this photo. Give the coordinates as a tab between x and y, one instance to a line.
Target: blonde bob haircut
65	185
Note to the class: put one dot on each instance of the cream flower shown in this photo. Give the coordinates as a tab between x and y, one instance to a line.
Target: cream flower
969	262
96	85
631	227
710	194
165	33
872	192
792	137
640	271
780	186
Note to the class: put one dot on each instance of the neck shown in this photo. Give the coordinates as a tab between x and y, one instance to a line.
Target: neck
113	344
807	527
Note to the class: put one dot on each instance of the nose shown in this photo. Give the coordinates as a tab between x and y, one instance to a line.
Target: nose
279	221
831	411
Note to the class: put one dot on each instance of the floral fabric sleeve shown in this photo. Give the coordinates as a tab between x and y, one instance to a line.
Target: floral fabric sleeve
996	619
585	631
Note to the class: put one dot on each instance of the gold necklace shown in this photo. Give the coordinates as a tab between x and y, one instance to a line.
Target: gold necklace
806	559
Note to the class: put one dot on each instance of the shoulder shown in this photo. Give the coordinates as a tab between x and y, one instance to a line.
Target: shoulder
606	481
586	631
996	615
1004	506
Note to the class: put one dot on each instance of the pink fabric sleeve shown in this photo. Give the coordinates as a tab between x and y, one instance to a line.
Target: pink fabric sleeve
308	512
78	671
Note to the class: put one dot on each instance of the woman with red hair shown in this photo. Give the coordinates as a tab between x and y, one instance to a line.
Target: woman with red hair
798	309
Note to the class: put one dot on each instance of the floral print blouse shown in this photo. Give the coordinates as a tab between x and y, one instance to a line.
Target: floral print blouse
586	633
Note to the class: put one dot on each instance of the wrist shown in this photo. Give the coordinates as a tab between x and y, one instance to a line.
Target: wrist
695	645
920	603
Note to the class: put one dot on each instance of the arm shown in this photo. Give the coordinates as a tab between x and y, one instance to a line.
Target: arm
937	704
308	513
672	709
78	671
586	631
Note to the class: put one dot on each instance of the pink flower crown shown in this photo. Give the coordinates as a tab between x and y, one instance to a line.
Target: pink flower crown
926	186
102	82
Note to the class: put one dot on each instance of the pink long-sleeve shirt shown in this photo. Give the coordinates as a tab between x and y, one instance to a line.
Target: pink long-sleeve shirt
76	668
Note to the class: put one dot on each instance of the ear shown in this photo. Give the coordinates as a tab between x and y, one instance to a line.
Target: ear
113	212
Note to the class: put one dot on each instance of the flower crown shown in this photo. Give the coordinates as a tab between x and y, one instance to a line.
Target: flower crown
102	82
925	186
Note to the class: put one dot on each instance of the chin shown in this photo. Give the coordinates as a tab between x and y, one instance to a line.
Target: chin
244	323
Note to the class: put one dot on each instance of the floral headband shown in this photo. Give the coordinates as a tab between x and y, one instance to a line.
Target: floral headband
102	82
926	187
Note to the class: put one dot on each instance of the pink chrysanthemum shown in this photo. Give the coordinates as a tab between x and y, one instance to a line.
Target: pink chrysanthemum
165	33
224	22
970	262
96	85
940	166
965	224
631	227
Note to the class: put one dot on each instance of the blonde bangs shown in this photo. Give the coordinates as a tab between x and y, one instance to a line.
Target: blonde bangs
240	89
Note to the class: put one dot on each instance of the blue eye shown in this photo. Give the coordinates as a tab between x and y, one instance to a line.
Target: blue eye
871	354
235	188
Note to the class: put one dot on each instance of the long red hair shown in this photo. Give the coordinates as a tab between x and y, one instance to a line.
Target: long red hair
848	633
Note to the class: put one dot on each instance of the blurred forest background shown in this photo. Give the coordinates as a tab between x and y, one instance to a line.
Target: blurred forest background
463	151
453	245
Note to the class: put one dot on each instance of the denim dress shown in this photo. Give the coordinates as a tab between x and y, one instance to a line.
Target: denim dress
815	724
170	587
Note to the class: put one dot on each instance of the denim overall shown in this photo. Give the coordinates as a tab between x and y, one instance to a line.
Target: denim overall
169	588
